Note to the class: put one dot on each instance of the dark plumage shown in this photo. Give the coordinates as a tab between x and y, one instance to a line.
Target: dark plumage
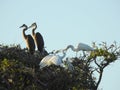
39	42
37	38
29	40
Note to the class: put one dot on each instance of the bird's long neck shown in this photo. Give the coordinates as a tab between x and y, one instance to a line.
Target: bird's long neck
33	31
64	54
70	46
24	35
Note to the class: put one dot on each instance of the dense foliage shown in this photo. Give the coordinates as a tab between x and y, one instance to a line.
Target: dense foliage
19	70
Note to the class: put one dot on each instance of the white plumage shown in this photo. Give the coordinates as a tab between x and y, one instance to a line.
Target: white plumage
84	47
51	59
80	46
68	64
57	60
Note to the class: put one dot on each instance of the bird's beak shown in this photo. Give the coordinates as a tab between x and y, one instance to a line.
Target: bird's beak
30	26
20	27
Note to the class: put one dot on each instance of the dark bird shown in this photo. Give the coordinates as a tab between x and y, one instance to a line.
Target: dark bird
29	40
37	38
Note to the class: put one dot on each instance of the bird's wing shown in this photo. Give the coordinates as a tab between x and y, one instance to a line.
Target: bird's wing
30	42
45	60
39	41
56	60
84	47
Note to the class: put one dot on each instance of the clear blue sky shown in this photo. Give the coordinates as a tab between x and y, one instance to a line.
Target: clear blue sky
64	22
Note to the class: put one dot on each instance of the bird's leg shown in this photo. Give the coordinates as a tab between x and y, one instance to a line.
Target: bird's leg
84	55
76	54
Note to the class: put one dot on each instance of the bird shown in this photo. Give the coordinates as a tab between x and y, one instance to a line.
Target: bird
29	40
38	38
52	59
68	64
80	46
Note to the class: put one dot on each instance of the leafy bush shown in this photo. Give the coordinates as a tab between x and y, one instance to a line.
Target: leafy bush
20	71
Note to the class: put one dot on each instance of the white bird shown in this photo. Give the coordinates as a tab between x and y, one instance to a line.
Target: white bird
68	64
81	46
52	59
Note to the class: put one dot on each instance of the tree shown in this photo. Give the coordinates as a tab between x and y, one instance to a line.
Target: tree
20	71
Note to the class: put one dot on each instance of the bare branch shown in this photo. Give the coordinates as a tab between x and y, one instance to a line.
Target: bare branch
97	63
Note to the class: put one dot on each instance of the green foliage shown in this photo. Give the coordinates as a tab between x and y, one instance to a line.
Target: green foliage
20	71
13	75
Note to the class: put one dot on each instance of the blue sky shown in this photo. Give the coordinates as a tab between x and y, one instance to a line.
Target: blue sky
64	22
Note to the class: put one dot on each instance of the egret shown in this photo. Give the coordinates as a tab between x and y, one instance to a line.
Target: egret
68	64
29	40
37	38
80	46
52	59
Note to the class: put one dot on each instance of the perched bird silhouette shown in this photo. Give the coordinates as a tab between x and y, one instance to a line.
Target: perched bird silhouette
29	40
37	38
52	59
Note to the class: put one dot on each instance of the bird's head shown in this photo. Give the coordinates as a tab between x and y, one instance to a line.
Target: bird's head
24	26
34	25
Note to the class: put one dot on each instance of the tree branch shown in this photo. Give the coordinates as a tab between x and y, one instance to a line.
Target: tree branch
100	77
97	63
